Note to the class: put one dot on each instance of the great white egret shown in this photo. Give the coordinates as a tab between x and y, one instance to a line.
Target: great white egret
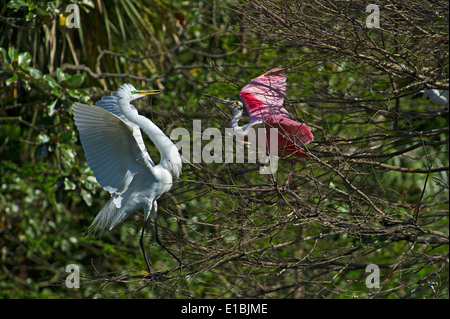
110	133
264	97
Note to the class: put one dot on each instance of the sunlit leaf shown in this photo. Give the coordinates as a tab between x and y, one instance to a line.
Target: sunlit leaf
69	185
87	197
43	138
51	107
36	73
24	59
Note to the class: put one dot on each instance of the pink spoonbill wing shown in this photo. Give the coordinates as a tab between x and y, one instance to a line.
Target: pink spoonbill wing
264	95
291	135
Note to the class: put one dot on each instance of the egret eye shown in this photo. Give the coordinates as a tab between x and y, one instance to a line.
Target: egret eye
134	92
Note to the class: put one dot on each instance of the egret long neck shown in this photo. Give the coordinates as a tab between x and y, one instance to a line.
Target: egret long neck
161	141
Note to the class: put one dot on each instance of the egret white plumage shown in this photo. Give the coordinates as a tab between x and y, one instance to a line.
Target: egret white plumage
110	133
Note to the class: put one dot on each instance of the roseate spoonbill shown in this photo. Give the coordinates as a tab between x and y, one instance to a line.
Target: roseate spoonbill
110	133
264	97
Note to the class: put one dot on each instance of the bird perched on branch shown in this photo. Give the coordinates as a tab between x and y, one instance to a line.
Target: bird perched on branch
110	133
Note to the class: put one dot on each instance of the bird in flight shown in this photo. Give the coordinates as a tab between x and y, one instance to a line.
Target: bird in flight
110	133
264	97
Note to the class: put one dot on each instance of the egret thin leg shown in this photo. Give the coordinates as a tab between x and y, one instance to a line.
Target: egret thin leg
167	249
141	243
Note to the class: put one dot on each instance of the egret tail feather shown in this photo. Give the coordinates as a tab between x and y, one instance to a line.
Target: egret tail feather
104	219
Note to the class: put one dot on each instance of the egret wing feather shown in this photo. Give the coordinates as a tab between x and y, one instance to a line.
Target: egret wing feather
110	104
110	147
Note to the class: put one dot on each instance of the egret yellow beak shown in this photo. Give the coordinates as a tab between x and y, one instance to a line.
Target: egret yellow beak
145	92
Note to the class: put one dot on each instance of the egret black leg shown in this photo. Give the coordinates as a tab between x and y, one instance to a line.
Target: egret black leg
167	249
141	243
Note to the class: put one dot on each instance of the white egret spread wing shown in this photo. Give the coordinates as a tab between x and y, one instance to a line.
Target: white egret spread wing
110	104
110	147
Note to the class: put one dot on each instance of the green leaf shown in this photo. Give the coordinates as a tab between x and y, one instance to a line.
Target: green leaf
26	84
108	248
76	80
56	91
51	108
5	57
67	152
87	197
68	137
60	75
13	54
35	73
69	185
51	81
12	78
42	138
24	59
30	15
16	4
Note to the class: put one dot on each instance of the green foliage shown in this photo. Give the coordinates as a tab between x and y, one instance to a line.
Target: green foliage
375	189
